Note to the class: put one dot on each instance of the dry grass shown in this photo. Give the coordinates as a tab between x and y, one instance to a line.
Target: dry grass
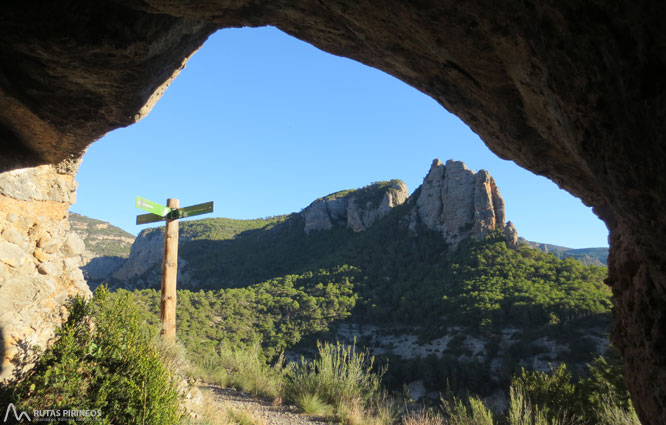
210	412
243	417
422	417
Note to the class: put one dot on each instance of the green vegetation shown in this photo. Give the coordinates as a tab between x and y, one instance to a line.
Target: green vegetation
340	383
544	399
593	400
386	277
597	256
410	280
275	314
338	377
102	360
224	228
235	330
245	368
100	237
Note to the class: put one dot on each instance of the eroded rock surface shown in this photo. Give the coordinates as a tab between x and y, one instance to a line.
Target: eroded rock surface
460	203
573	90
39	259
356	209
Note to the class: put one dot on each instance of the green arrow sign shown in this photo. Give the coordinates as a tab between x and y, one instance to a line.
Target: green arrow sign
152	207
148	218
160	213
194	210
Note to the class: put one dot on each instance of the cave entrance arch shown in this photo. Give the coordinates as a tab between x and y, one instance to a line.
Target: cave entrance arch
574	91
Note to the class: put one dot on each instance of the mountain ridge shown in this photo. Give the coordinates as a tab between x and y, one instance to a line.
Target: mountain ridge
438	281
453	201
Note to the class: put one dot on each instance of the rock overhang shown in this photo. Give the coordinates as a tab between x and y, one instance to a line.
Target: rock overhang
574	91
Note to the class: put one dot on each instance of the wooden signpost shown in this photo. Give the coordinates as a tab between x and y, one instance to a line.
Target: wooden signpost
169	213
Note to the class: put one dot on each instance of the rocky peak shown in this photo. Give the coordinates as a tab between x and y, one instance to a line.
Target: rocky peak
355	209
460	203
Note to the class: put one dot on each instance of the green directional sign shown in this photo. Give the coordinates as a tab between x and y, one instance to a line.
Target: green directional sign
152	207
148	218
160	213
194	210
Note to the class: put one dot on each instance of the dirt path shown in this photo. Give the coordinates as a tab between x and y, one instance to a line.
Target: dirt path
262	410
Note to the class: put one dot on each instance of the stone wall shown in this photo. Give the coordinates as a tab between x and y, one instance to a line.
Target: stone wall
39	258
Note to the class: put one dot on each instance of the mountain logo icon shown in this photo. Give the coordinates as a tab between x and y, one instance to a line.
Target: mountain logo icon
18	417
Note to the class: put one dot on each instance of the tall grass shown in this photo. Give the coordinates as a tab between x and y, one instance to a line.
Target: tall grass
343	381
339	374
246	369
422	417
612	414
474	412
341	384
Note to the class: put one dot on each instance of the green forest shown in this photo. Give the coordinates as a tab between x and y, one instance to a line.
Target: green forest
480	289
264	289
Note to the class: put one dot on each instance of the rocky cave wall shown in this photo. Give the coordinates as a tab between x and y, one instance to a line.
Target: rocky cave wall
39	259
574	90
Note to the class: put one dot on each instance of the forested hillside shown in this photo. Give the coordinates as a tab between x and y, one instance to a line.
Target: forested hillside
428	314
439	289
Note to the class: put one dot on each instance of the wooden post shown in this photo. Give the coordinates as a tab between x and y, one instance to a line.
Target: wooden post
169	274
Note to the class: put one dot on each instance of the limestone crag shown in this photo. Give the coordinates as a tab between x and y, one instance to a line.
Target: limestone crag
147	250
355	209
39	259
106	247
460	203
143	267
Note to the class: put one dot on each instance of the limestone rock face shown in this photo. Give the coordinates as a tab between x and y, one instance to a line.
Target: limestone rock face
142	269
459	203
147	250
39	259
357	209
106	247
511	235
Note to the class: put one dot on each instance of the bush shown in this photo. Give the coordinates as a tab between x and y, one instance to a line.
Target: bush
246	369
338	375
600	398
460	414
102	359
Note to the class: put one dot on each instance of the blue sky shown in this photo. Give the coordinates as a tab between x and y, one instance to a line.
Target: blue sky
263	124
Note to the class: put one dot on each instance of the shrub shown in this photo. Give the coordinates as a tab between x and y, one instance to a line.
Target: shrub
312	405
102	359
460	413
338	375
422	417
246	368
553	392
523	412
600	398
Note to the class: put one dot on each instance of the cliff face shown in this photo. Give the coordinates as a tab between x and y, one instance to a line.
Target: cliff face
460	203
39	259
147	250
143	267
106	247
453	200
355	209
